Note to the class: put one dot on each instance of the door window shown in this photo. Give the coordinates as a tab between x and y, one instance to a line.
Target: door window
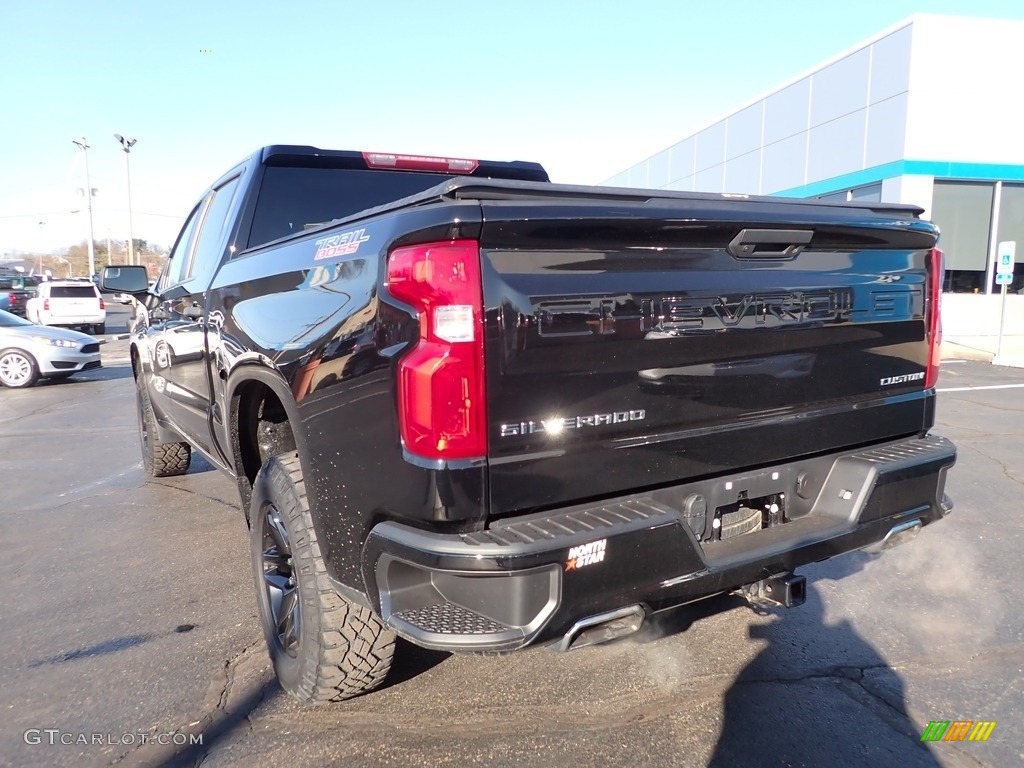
177	262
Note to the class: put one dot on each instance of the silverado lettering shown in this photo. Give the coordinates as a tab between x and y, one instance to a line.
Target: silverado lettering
556	425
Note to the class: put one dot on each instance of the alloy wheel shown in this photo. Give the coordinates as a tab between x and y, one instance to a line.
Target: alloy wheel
279	582
15	369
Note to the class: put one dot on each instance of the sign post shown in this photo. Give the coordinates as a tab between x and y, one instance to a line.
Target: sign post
1005	255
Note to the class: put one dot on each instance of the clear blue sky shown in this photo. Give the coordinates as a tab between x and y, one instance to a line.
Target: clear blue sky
586	88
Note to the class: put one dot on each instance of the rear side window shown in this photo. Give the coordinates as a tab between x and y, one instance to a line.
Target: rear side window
293	199
72	292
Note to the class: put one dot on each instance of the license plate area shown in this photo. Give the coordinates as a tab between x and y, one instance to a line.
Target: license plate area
740	505
748	515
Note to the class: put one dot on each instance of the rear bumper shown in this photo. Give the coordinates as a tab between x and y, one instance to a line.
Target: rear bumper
534	579
72	320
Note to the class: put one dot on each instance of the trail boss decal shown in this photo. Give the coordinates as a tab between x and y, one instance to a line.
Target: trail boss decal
585	554
340	245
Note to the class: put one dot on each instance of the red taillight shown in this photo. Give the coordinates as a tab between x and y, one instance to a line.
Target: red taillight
102	305
933	315
419	163
46	305
13	298
441	412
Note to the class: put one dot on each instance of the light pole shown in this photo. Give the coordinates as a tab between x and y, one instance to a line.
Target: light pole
40	255
84	146
126	145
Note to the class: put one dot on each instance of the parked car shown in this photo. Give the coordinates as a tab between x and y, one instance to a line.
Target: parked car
29	352
70	303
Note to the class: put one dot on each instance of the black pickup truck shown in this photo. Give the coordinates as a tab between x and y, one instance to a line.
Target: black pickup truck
481	411
14	294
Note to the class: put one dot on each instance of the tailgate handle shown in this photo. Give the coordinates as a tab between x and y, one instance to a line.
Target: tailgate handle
769	243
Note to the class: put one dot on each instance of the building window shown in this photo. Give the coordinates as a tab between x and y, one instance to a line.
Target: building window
963	212
1011	227
871	193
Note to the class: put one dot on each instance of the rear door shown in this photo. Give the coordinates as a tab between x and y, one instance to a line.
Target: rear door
185	330
635	346
165	316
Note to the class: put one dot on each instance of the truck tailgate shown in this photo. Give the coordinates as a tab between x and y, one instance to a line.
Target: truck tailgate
632	345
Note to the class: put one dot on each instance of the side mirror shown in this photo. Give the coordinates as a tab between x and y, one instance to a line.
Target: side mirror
125	279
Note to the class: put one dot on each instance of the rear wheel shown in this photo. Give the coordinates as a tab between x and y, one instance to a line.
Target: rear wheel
99	328
323	647
17	369
158	459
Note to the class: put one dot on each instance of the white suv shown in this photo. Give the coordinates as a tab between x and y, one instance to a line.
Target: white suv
68	303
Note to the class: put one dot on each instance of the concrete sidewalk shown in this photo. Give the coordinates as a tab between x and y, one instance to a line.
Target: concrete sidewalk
970	328
986	349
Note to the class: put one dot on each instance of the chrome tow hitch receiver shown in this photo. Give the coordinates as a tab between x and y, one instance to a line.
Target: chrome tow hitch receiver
786	589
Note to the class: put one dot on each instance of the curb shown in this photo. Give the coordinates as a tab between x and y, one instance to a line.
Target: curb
954	350
1008	361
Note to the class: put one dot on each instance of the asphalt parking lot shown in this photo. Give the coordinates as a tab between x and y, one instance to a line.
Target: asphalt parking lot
128	613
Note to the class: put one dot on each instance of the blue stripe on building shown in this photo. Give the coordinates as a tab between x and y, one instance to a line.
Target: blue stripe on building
937	168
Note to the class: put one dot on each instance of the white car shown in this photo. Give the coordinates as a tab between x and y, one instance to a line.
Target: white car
70	303
28	352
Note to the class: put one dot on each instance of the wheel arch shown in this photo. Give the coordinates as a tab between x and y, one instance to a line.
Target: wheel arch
262	421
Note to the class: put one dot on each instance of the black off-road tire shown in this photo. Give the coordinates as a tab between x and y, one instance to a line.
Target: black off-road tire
158	459
323	647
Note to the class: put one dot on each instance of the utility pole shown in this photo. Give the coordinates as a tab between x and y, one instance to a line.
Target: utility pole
126	145
84	146
40	255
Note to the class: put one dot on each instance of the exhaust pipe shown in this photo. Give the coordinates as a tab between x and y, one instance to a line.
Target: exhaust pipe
899	534
603	628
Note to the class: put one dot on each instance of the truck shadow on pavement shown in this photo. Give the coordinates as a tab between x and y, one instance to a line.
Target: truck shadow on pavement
817	694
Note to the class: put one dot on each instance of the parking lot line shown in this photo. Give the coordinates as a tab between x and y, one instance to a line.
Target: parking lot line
972	389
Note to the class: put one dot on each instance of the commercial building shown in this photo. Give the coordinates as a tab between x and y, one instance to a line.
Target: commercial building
928	112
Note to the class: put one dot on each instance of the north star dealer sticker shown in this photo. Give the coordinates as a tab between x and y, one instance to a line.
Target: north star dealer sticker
344	244
585	554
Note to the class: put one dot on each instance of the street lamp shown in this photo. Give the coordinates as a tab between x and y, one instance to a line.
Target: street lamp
126	145
84	146
40	255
